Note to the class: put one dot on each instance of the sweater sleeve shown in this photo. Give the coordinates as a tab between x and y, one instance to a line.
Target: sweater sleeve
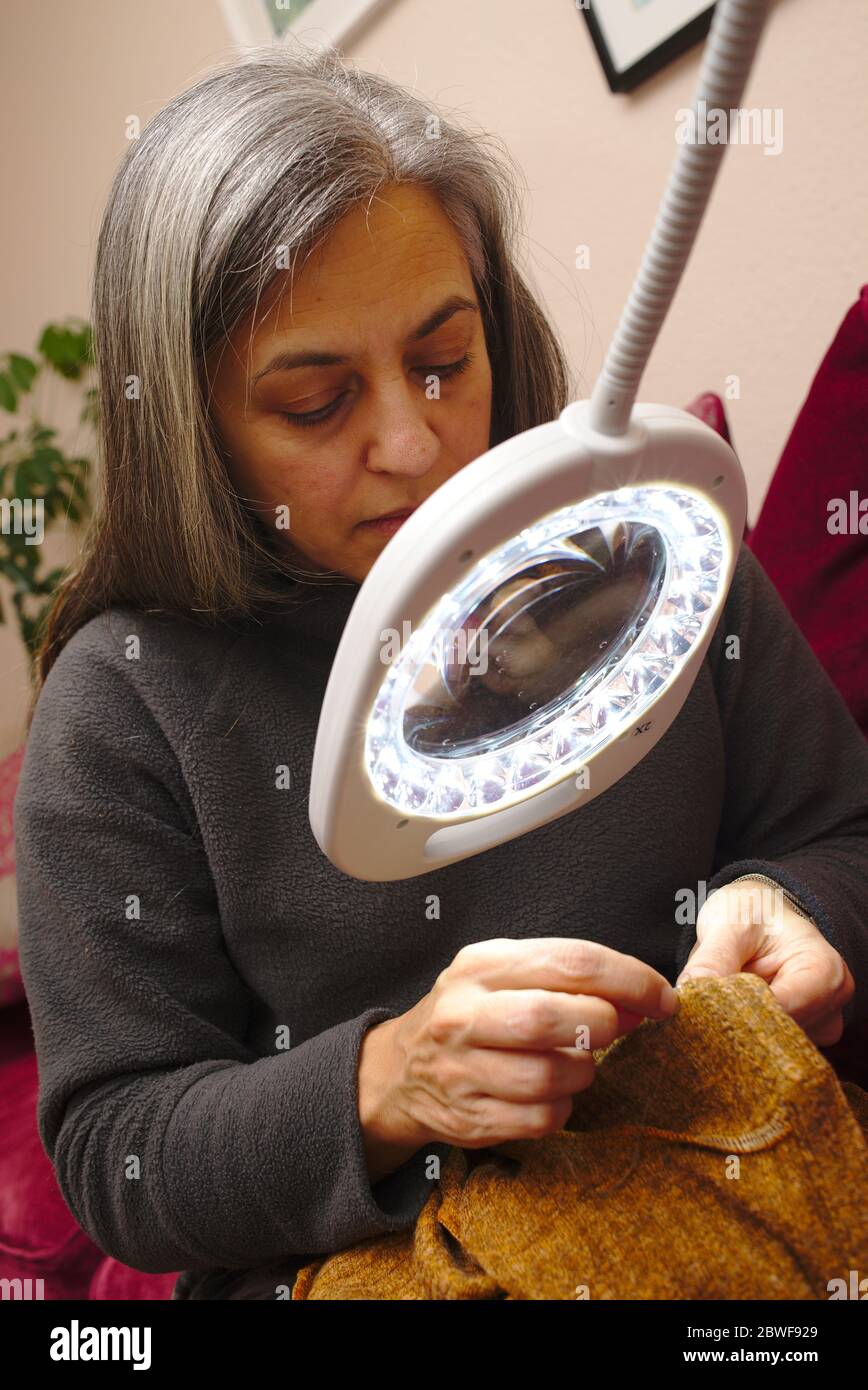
796	801
174	1145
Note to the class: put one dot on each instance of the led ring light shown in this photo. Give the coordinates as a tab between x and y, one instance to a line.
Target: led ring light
535	626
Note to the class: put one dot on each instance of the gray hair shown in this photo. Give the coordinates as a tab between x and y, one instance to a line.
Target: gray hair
264	154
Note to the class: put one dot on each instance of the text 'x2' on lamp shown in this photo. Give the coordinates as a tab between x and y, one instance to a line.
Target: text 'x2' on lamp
552	602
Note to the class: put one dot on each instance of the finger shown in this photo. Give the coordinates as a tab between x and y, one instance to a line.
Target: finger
724	947
543	1018
524	1078
569	964
812	983
828	1030
493	1121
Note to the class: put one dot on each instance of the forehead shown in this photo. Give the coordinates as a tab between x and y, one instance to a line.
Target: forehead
386	262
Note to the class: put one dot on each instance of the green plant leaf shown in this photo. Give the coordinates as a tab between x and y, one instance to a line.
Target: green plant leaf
23	370
22	475
42	470
68	349
21	578
90	410
80	485
47	453
8	398
48	343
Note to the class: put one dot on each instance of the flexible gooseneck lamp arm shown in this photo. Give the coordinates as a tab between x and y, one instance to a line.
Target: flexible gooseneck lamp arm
727	60
554	598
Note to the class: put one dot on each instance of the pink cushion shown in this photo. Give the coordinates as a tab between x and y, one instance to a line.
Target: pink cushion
112	1280
11	986
39	1237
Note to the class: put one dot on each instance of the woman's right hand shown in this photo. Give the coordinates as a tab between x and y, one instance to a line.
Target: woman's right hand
499	1046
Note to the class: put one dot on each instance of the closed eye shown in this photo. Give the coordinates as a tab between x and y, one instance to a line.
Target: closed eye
319	417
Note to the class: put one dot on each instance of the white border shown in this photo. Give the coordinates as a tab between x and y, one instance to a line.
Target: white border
331	22
631	33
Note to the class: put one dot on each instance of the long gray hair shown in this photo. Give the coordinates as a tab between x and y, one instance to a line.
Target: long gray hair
238	176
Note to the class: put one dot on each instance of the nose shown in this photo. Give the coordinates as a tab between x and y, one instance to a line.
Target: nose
400	438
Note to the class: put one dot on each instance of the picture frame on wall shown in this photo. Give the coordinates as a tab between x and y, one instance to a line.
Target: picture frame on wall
323	23
635	38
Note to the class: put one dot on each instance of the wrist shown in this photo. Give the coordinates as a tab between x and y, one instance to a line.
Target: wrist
788	897
390	1133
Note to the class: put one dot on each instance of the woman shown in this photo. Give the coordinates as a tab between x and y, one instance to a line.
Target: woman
307	317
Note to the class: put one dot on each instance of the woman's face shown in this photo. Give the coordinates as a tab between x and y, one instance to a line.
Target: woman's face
388	392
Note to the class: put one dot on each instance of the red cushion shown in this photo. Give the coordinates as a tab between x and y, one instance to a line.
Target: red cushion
16	1034
821	576
710	408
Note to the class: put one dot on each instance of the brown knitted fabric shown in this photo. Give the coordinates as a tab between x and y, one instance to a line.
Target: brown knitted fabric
715	1155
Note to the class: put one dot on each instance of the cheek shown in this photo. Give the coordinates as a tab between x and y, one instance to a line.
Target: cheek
471	427
316	489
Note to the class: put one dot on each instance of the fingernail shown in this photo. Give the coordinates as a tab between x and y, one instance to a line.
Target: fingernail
670	1001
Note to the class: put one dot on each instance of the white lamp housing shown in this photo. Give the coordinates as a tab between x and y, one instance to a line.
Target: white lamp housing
664	505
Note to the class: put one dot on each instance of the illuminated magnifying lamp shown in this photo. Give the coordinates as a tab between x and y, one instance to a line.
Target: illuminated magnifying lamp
535	626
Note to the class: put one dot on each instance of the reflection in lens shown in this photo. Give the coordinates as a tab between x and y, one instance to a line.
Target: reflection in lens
557	624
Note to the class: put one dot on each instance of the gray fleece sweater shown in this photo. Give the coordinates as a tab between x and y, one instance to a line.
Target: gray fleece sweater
200	977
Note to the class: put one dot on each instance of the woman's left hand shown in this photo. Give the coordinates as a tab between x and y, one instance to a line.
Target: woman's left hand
737	929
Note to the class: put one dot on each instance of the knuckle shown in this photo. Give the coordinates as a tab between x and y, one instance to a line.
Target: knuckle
446	1018
608	1029
575	957
541	1074
475	953
530	1019
462	960
841	983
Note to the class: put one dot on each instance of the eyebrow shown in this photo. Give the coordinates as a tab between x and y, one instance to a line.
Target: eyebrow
286	361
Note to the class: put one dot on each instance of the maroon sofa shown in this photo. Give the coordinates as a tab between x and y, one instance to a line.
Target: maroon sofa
823	579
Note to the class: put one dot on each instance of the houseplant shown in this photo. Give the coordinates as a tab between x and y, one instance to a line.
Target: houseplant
34	469
36	477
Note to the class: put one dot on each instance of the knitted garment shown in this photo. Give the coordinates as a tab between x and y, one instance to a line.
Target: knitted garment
714	1156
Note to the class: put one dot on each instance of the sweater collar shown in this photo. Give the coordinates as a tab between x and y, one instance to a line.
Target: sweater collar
314	613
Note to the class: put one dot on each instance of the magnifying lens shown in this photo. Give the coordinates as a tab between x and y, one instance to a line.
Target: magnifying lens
535	626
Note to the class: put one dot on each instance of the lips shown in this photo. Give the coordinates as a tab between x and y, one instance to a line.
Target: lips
389	520
392	516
